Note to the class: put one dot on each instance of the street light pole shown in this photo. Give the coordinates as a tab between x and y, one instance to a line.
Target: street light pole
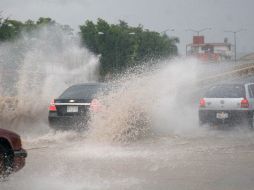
235	44
234	32
169	29
116	47
164	33
198	31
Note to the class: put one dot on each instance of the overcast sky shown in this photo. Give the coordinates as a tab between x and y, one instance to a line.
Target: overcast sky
158	15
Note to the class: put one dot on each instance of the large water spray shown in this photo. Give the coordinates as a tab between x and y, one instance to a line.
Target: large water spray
37	67
149	100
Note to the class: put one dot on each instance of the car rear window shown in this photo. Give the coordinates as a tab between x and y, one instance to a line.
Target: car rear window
226	91
82	91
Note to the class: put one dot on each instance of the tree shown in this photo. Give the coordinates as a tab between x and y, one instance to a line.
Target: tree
45	20
9	29
122	46
12	29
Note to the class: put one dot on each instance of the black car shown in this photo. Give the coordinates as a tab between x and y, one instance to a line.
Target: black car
71	109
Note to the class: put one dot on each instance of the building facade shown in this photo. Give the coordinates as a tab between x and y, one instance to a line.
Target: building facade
212	52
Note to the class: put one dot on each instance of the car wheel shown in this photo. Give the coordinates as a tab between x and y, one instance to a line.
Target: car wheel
202	122
251	120
6	161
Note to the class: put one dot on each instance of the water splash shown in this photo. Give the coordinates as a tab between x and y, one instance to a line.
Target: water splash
148	100
38	67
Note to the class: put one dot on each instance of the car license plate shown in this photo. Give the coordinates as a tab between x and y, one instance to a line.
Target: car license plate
221	115
72	108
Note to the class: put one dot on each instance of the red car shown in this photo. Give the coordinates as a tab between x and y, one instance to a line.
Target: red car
12	155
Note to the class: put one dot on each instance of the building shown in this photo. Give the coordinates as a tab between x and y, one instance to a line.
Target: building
212	52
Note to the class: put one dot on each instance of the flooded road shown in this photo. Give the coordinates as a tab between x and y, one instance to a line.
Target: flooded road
175	153
204	159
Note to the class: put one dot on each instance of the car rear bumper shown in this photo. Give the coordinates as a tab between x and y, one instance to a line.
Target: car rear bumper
66	122
234	116
19	159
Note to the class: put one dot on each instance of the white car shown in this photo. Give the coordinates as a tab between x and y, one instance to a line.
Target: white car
228	103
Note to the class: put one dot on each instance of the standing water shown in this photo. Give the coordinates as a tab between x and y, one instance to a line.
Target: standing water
145	137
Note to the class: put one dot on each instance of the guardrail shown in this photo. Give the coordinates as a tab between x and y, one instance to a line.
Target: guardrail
241	70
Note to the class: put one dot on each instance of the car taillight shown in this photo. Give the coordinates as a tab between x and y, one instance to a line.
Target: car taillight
202	103
244	103
52	106
95	105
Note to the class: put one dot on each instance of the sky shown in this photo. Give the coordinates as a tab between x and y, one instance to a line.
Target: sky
157	15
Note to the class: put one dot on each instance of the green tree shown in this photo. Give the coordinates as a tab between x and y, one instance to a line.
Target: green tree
122	46
9	29
12	29
45	20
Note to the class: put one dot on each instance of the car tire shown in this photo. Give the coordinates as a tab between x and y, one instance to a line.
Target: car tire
6	161
251	120
201	119
201	122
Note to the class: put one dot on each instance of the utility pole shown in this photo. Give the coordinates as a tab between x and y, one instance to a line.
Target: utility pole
235	32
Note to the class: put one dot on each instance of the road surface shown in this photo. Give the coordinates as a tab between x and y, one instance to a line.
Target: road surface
202	159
